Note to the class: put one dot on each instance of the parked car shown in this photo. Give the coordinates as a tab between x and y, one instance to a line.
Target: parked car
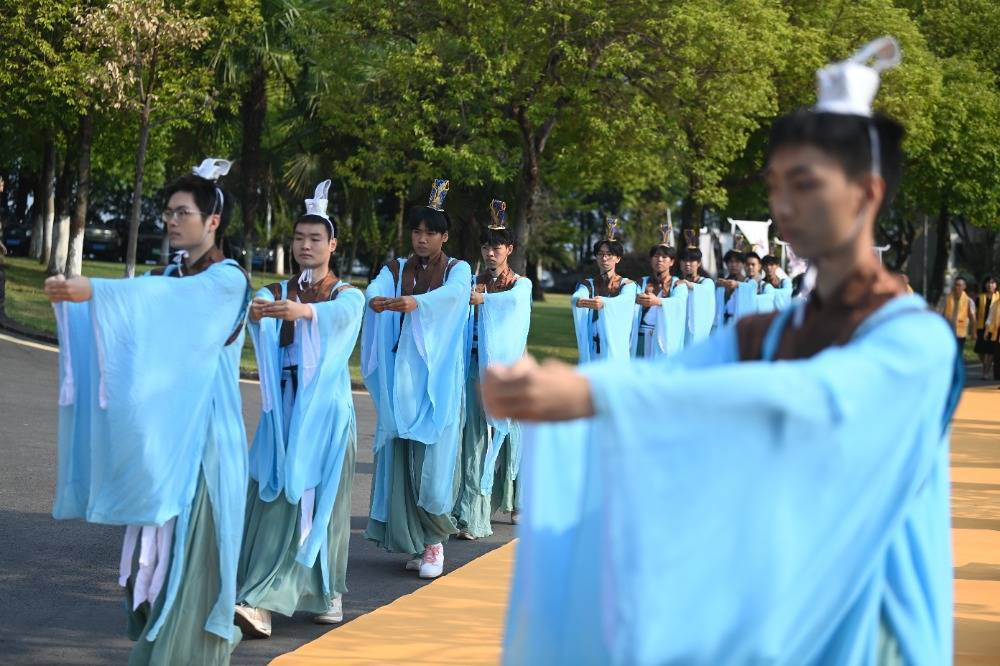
102	239
17	238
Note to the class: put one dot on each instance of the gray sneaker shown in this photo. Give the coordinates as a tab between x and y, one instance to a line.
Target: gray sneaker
255	622
333	615
413	564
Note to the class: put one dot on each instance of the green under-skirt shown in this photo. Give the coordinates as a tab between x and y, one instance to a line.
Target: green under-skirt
506	488
409	528
268	575
182	638
472	509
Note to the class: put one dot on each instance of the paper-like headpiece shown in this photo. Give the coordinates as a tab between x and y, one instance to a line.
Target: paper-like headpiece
611	228
438	192
498	214
317	205
212	168
849	87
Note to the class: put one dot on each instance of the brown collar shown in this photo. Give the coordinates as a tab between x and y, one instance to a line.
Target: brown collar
659	287
486	283
608	288
213	256
828	322
316	292
419	278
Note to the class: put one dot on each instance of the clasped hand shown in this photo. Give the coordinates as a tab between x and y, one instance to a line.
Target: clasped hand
398	304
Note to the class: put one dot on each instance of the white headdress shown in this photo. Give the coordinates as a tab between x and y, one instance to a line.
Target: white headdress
214	168
317	205
849	87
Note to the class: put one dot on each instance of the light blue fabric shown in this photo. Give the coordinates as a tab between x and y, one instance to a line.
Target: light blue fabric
670	321
418	390
613	326
772	298
322	423
783	544
504	320
156	395
700	311
744	302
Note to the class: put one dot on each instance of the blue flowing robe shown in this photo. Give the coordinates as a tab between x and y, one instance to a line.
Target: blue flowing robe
743	301
700	312
321	426
149	398
781	528
419	389
503	323
670	321
612	326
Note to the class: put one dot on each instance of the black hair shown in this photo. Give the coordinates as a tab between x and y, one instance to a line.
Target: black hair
846	139
986	279
615	247
665	250
770	260
691	254
751	255
436	221
210	198
734	254
330	225
493	237
962	278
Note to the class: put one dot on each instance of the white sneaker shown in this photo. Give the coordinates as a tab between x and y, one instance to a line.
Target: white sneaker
255	622
413	564
333	615
432	565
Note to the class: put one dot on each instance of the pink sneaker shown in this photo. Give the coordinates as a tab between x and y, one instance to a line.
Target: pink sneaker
432	564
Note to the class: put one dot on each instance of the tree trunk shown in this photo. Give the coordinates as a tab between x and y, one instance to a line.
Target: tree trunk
46	202
63	206
279	258
78	223
136	210
942	249
253	110
400	219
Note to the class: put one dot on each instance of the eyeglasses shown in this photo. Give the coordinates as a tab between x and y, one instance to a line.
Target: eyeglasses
181	214
604	255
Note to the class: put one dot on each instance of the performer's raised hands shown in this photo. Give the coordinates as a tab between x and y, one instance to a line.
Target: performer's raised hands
75	290
284	310
552	391
594	303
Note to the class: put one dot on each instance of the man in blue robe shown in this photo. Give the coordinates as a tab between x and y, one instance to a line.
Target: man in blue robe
298	519
774	283
151	431
661	308
604	306
498	333
701	297
821	533
413	363
735	294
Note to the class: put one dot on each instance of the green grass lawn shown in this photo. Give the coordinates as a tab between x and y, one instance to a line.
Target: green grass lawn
551	325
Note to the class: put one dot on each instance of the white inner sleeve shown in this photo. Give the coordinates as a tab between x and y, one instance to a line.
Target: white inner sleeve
67	390
155	544
307	334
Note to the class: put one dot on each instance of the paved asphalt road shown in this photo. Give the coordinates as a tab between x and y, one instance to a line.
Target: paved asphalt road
59	599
